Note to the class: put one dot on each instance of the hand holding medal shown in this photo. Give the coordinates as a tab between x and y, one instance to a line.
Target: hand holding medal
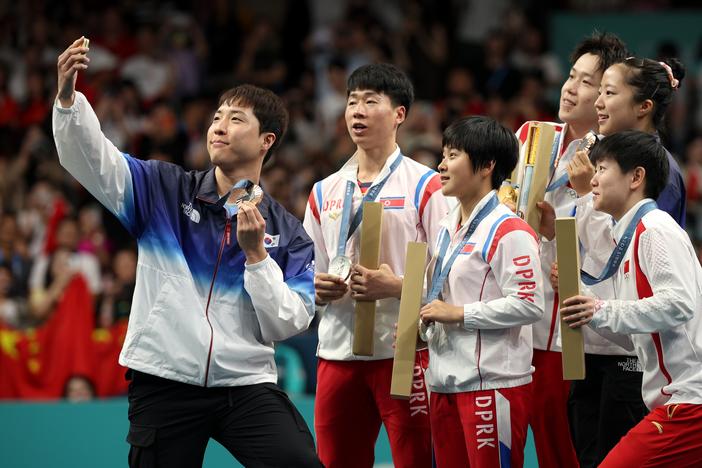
332	286
250	225
580	169
245	190
340	266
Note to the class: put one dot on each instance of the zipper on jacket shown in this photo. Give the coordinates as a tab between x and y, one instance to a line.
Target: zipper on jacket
225	238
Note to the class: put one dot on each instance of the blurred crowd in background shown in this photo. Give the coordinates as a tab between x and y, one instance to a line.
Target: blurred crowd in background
155	74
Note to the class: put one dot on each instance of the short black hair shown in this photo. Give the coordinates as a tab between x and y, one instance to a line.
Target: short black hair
650	80
631	149
484	140
606	46
386	79
267	107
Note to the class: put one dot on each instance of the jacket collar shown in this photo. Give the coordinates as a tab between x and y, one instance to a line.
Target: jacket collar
620	226
451	220
349	171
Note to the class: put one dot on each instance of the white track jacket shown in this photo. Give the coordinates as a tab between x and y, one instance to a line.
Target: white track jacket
413	210
498	281
659	301
199	314
563	199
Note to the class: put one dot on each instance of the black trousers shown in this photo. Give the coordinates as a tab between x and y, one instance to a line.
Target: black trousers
603	407
172	422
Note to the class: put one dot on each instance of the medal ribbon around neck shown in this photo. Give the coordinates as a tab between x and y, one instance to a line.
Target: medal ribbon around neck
441	271
346	230
618	254
586	143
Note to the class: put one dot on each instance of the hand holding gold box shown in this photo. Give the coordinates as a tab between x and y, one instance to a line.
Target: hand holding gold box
532	171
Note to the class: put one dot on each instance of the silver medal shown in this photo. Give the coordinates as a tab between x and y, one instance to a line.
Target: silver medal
253	194
587	141
340	266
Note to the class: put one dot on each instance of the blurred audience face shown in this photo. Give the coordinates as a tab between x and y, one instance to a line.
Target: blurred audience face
67	234
79	389
8	230
124	266
579	92
5	281
164	122
41	197
61	263
616	108
460	82
694	151
89	219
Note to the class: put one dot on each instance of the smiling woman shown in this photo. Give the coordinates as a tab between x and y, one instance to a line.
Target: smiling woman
634	95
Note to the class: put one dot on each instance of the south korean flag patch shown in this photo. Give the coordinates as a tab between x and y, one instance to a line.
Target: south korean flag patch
270	241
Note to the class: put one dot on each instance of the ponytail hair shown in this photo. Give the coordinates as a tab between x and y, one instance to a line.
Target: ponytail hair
656	81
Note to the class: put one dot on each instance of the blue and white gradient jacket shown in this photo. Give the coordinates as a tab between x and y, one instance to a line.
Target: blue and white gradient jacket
200	315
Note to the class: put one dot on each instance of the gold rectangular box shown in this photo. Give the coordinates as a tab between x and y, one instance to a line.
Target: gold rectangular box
407	322
364	323
568	258
530	177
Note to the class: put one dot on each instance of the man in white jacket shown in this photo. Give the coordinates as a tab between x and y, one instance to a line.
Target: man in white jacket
658	282
217	282
353	392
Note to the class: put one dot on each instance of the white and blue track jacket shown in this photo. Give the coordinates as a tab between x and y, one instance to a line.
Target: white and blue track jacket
199	314
413	206
497	280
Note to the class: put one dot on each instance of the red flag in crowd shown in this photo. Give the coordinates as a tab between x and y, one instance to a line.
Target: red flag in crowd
36	363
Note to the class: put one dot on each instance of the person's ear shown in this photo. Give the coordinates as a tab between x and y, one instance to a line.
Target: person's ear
268	140
488	170
638	178
645	109
400	115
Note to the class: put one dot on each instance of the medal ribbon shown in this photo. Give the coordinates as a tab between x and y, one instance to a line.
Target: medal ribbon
441	271
346	230
618	254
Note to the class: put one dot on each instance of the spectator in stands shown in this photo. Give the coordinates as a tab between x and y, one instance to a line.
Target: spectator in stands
12	309
79	388
118	289
13	254
92	235
52	271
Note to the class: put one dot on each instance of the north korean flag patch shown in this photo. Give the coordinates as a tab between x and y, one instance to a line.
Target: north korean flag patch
393	203
468	248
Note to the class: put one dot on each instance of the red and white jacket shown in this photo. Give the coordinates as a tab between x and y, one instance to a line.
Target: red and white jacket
563	199
659	301
414	207
497	279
